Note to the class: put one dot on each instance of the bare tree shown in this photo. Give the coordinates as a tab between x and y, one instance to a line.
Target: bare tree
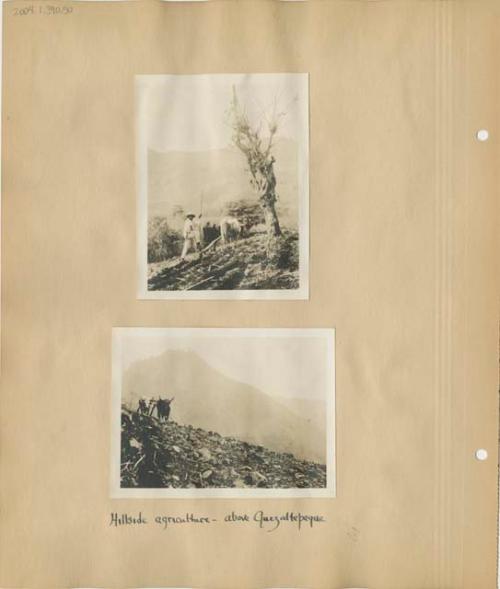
258	152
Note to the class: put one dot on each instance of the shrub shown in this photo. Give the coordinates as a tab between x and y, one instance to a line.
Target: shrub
163	242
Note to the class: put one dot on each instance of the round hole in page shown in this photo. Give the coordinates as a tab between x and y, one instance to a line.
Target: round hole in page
481	454
482	135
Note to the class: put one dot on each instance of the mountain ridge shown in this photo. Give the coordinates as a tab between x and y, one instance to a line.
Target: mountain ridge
180	178
206	398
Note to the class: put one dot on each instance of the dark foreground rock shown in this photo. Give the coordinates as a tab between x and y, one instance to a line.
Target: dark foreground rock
168	454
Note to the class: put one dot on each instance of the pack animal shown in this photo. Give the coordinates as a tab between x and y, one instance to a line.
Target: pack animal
230	229
163	408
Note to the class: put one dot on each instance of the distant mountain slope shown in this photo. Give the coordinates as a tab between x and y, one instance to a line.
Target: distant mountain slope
181	456
179	178
312	410
208	399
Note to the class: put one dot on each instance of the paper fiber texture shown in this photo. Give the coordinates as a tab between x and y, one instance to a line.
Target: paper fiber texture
403	264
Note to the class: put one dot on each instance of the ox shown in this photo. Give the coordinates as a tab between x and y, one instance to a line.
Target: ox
230	229
163	408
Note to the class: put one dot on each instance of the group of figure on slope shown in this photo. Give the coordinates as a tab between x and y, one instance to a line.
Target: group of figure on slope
196	235
161	406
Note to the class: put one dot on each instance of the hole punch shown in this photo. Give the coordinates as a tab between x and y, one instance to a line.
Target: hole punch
482	135
481	454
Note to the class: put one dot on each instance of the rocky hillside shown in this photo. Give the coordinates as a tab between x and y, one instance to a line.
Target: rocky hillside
246	264
161	455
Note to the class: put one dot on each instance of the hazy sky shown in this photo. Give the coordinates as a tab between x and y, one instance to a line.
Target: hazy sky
286	366
188	112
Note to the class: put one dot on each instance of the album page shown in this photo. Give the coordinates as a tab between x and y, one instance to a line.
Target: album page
249	325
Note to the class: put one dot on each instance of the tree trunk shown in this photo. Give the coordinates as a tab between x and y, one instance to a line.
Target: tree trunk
272	221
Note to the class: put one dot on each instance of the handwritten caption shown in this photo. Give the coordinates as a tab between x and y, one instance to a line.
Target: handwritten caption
43	9
264	521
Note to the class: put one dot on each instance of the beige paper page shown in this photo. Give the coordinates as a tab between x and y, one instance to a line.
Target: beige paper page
403	263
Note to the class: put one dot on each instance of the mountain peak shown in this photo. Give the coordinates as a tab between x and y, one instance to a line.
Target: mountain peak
207	398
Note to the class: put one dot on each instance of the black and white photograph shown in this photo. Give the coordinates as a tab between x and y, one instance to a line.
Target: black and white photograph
222	186
207	412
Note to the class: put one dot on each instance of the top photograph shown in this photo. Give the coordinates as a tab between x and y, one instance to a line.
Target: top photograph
222	186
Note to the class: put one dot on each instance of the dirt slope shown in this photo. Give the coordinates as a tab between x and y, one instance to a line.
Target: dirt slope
247	264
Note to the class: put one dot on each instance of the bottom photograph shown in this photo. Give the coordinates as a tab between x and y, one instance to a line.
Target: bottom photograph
206	412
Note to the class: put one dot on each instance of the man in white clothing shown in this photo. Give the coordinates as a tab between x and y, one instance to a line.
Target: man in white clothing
190	235
198	232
